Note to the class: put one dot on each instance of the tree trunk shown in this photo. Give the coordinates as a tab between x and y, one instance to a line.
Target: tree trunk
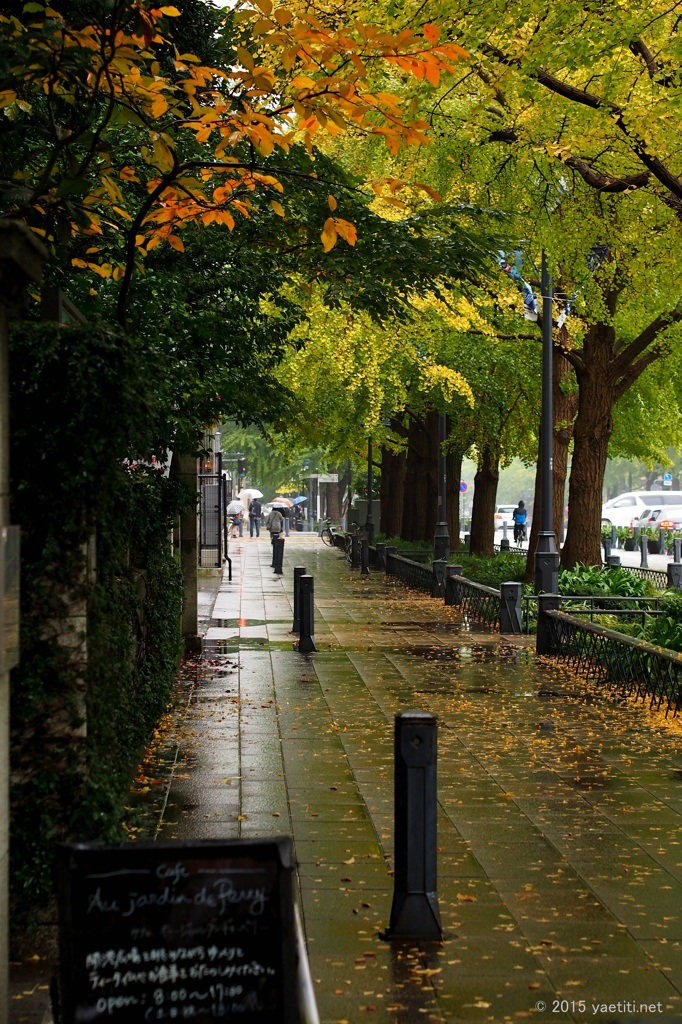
392	491
483	511
565	406
593	427
420	506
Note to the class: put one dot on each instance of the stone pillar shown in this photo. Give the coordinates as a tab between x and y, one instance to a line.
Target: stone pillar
22	256
184	467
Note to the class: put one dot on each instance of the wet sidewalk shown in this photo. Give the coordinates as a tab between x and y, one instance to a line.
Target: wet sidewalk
560	847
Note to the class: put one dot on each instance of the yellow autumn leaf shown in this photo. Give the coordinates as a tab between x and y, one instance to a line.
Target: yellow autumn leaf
277	207
170	12
332	203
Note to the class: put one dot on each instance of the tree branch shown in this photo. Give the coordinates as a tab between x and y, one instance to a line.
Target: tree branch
635	370
628	355
606	182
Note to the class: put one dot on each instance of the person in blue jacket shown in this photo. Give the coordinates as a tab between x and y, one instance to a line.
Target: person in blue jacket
519	516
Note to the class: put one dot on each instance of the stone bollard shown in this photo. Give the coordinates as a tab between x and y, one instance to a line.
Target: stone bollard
438	585
644	544
510	608
453	594
677	549
299	570
364	557
381	556
546	639
354	553
306	608
278	552
414	912
613	561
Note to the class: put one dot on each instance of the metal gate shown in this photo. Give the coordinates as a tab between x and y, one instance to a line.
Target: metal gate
212	520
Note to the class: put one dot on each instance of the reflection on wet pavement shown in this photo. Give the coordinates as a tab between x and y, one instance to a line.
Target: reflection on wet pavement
560	849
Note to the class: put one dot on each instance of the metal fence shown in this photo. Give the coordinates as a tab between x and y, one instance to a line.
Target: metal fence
657	576
415	574
212	518
509	551
478	602
625	664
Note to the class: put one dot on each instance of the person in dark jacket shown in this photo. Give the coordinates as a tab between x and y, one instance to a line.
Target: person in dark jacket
255	511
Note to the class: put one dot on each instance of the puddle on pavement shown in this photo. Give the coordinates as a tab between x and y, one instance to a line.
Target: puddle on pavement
241	623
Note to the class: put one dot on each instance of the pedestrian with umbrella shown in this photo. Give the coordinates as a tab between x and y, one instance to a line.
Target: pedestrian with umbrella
235	511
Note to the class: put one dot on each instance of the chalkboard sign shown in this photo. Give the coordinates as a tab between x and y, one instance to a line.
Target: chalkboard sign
170	931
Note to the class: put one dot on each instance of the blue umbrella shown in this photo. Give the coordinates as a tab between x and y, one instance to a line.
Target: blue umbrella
297	501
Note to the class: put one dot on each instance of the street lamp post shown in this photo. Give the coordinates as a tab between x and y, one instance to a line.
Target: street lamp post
369	523
546	554
441	539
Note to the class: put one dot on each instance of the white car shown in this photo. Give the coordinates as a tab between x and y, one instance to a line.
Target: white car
624	509
668	516
503	515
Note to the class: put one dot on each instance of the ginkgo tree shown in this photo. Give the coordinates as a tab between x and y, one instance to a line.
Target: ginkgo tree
197	136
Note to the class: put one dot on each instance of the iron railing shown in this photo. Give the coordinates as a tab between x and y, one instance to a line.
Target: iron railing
511	550
478	602
657	576
640	607
415	574
621	662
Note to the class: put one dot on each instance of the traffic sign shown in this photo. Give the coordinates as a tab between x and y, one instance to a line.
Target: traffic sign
668	479
463	486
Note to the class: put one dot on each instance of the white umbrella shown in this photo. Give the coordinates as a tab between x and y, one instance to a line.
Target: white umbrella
234	507
250	492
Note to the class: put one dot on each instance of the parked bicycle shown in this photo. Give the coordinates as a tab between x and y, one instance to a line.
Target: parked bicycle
328	532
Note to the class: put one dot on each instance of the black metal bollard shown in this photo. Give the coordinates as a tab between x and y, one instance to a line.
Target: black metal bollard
387	554
675	575
510	608
548	631
467	540
662	541
504	543
614	537
354	554
677	549
278	555
613	561
438	585
381	555
306	610
299	570
364	557
607	548
414	912
452	588
644	541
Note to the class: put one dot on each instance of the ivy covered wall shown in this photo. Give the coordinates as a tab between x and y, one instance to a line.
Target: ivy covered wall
100	590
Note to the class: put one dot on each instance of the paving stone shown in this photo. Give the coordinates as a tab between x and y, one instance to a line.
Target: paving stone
559	840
